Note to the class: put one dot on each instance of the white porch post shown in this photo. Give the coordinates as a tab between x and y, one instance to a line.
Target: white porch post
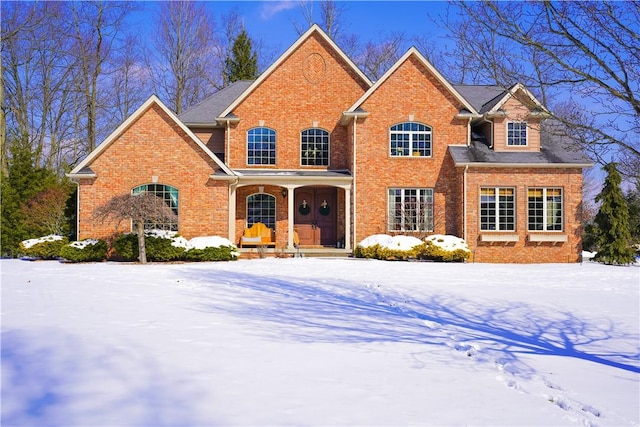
347	221
232	212
290	217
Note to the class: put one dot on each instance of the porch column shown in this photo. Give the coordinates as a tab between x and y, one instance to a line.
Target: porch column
347	221
290	218
232	213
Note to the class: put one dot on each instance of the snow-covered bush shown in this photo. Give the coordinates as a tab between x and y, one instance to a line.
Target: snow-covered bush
168	246
47	247
87	250
443	248
435	248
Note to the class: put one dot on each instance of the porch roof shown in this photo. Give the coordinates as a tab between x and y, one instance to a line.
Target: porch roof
293	177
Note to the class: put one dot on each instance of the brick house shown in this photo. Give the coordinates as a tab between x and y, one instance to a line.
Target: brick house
313	146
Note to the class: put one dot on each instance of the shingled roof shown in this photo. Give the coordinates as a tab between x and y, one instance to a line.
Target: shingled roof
205	113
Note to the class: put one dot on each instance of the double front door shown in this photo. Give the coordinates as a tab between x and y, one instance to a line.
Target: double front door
315	216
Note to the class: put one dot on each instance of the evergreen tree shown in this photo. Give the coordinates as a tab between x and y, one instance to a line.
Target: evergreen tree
242	63
612	221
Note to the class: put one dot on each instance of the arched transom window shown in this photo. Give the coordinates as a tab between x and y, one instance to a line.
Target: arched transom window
261	146
314	147
170	196
261	207
410	139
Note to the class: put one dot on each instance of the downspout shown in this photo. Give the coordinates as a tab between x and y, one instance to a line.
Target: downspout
464	201
355	172
469	132
228	153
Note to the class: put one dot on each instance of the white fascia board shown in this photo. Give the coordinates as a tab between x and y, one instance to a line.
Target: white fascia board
130	120
285	55
525	165
427	64
510	93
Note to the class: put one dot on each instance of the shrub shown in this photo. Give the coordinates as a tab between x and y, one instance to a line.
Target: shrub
378	252
47	247
85	251
218	253
430	251
126	247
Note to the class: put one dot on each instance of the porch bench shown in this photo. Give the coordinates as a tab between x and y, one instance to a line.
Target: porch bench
257	235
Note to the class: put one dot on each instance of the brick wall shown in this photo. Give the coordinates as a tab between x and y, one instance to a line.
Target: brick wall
155	146
524	251
411	93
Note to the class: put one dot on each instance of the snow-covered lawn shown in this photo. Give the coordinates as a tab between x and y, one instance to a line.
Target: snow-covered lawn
306	341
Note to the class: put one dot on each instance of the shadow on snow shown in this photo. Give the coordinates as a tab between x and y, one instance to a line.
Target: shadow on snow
321	311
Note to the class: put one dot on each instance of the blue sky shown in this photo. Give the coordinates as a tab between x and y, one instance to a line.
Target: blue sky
272	21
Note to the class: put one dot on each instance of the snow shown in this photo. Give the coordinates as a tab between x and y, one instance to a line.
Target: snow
81	244
406	243
50	238
319	342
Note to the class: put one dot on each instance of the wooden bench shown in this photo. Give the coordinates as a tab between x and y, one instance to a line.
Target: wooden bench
258	235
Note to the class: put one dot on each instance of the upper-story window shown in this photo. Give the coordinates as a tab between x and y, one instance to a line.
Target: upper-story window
261	207
170	196
516	134
261	146
410	139
314	147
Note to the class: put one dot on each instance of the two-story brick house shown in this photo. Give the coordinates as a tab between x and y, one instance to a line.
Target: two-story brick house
314	147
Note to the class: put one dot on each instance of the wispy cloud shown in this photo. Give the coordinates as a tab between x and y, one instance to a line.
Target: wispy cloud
271	8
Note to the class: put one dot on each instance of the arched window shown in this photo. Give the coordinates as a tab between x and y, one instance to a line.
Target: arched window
410	139
314	147
261	208
170	196
261	146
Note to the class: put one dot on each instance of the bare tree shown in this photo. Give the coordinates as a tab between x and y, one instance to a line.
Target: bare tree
584	55
377	57
139	208
186	46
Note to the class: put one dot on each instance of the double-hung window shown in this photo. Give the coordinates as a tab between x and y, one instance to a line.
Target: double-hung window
545	209
410	209
516	134
410	139
314	147
170	196
261	207
261	146
497	209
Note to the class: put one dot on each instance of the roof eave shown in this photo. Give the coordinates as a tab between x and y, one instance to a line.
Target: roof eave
523	165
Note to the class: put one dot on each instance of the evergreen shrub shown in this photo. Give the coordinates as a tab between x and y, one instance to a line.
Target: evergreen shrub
126	247
429	251
89	250
221	253
47	247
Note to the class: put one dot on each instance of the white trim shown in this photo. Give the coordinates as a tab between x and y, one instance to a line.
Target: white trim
510	93
313	29
413	52
536	237
132	119
506	133
499	237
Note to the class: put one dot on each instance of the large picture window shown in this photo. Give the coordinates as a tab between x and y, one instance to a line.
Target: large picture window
516	133
410	139
261	208
314	147
170	196
497	209
261	146
545	209
410	209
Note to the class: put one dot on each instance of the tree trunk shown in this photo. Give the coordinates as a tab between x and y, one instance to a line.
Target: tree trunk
142	249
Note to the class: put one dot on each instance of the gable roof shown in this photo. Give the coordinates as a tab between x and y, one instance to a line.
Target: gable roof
511	92
413	52
83	169
205	112
482	97
314	29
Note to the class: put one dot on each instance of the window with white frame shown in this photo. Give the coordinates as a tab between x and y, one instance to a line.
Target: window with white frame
261	207
261	146
314	147
497	209
410	209
170	196
410	139
516	133
545	209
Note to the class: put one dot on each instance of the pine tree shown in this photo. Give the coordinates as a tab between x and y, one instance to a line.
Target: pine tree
242	63
612	221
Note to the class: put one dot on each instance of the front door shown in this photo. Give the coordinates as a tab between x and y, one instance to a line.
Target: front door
315	216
